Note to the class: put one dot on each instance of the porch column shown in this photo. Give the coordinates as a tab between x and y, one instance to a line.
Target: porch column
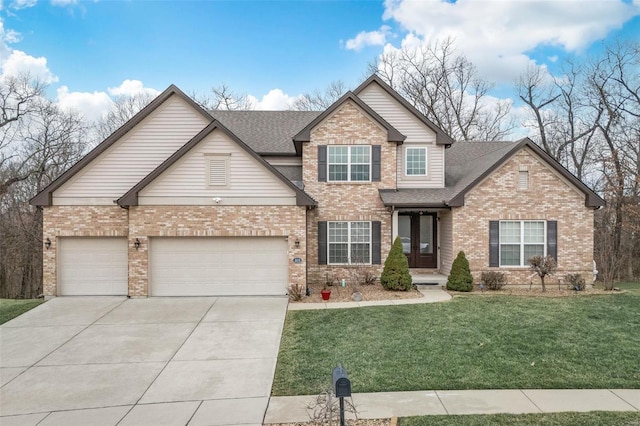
394	225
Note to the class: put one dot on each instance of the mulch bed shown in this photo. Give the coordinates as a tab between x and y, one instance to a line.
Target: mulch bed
536	291
369	293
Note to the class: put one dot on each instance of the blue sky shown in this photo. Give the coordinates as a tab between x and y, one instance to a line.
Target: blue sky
91	51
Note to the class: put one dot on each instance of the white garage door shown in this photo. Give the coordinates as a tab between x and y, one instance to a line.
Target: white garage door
223	266
92	266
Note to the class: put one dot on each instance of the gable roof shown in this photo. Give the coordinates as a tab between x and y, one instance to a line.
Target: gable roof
304	135
266	132
441	137
131	197
467	164
44	197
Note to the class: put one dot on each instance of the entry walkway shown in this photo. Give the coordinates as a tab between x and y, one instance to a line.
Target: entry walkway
291	409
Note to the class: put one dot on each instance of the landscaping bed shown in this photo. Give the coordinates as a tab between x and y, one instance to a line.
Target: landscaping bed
369	293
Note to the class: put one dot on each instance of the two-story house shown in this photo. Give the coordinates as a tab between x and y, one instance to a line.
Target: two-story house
182	201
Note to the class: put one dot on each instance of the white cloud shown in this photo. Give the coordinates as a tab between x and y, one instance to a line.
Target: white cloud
91	105
276	99
19	62
496	35
22	4
369	38
132	88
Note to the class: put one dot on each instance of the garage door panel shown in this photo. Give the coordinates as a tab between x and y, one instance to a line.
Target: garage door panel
218	266
92	266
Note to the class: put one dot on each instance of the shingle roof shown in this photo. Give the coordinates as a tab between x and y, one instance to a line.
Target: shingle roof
464	163
468	163
266	132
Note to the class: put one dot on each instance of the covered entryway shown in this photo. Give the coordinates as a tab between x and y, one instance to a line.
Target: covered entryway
218	266
418	233
92	266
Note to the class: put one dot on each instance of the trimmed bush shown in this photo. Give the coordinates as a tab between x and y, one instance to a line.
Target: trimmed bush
460	278
493	280
576	282
395	275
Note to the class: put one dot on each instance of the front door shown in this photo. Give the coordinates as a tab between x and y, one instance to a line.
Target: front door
418	233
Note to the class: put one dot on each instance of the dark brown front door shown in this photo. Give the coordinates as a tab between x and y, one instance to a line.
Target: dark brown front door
418	233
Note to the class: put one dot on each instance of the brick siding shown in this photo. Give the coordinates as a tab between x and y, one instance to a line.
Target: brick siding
549	197
346	201
143	222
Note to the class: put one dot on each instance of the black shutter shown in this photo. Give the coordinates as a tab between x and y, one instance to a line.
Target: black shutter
494	243
322	243
322	163
552	239
376	258
375	163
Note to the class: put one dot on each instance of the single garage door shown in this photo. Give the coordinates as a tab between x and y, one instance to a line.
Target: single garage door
233	266
92	266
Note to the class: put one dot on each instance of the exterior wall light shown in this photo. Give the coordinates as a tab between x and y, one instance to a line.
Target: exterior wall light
297	243
47	243
136	244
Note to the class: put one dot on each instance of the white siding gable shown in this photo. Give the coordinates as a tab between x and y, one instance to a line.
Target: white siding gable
417	133
188	181
134	156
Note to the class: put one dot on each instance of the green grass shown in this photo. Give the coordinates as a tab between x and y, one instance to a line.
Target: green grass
593	418
11	308
471	342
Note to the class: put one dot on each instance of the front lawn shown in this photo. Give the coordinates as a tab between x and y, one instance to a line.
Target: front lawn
11	308
593	418
471	342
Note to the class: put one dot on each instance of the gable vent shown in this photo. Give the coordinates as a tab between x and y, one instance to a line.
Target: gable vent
218	172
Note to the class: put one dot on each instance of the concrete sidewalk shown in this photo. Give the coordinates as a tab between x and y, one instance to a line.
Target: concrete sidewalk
289	409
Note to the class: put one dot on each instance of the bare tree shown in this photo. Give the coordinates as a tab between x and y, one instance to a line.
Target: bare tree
224	98
49	141
447	88
19	98
319	100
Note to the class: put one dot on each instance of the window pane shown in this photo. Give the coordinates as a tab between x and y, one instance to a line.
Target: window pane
404	232
338	232
360	232
338	154
338	253
360	154
426	234
531	250
338	172
360	172
509	255
360	253
510	232
534	232
416	161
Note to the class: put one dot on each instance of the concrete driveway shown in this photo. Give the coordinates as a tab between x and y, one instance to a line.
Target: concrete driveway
157	361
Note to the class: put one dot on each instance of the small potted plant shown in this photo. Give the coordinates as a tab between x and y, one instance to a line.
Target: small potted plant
326	291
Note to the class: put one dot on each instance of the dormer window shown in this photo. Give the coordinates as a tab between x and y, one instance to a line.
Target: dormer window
349	163
416	161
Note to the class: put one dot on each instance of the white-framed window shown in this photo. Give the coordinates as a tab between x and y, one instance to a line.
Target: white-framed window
520	240
217	170
349	163
415	163
349	242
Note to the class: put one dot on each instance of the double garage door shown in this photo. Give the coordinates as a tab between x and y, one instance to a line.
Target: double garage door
178	266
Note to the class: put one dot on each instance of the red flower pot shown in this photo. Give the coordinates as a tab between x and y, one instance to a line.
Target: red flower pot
325	294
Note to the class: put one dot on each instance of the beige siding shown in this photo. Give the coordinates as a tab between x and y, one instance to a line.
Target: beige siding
284	161
185	183
446	241
417	135
435	167
134	156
